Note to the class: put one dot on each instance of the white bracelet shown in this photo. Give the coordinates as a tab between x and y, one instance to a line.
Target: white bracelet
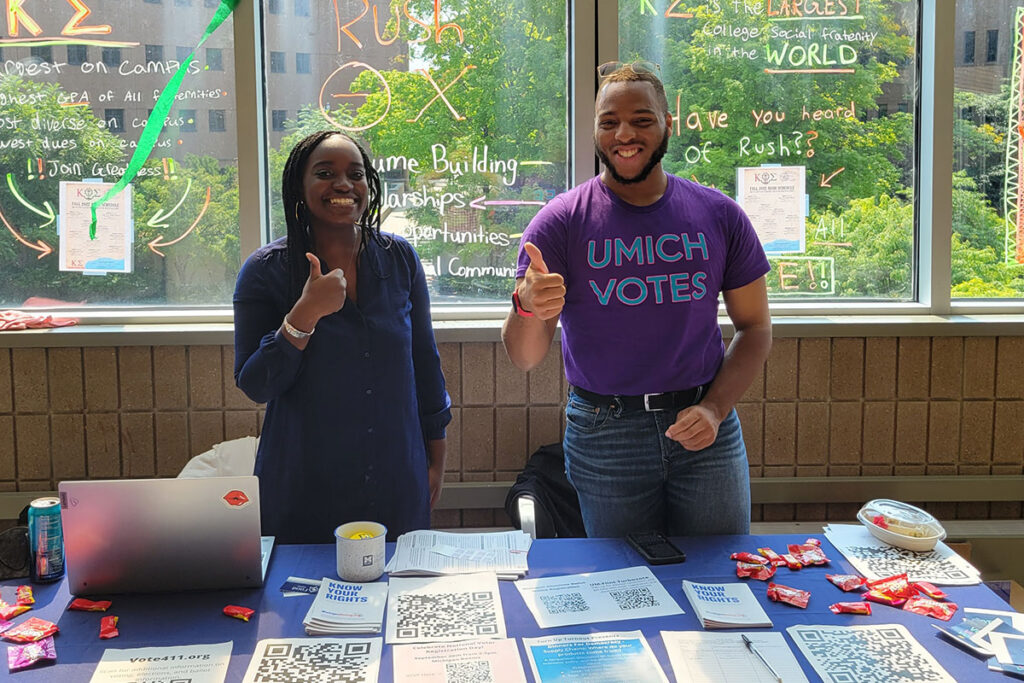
296	332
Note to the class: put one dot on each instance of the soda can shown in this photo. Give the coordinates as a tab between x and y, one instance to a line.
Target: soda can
46	540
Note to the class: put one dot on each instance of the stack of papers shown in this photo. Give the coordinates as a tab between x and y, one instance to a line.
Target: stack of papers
441	553
725	605
340	608
994	634
875	559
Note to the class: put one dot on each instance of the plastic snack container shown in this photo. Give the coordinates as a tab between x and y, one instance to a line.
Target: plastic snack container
901	525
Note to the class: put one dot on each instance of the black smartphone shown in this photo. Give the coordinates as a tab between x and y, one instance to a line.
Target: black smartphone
655	547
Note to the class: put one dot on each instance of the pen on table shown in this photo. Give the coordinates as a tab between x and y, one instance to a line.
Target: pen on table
752	648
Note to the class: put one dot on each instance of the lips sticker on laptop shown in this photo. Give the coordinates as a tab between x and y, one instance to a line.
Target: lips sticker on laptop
236	498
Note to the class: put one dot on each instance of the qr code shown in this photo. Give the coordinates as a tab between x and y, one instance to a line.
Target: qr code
446	615
890	560
634	598
877	654
560	603
477	671
344	662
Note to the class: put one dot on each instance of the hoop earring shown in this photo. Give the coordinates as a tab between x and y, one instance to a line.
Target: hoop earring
298	207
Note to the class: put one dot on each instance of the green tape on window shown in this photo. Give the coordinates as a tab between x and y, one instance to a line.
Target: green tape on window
161	110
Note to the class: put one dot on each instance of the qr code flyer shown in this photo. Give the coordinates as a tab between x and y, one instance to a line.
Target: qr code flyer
468	661
315	660
885	653
444	609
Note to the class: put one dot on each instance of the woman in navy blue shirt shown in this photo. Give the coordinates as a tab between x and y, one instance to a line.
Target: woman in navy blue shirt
333	333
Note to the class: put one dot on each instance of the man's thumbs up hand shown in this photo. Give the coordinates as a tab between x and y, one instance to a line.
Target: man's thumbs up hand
540	292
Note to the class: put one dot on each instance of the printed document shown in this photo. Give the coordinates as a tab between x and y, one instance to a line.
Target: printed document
437	553
194	663
471	660
725	605
702	657
444	609
594	658
632	593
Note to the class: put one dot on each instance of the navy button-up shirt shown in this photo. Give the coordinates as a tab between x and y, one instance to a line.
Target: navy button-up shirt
347	420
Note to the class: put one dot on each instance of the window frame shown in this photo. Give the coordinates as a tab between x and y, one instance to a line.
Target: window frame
934	305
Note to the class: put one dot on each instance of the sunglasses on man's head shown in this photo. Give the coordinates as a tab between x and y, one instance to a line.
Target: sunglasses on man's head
639	66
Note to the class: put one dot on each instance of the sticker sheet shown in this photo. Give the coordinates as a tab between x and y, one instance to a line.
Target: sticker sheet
444	609
302	660
876	559
867	654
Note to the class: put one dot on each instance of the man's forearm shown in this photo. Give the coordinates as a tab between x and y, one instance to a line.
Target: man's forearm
526	340
744	358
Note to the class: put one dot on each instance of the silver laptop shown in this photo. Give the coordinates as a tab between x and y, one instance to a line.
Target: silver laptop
154	535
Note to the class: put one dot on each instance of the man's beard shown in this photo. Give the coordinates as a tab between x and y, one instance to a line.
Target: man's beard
644	172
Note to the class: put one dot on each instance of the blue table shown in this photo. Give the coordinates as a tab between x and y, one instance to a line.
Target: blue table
189	618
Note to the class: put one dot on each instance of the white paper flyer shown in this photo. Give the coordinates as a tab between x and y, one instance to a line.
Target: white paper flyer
470	660
193	663
594	658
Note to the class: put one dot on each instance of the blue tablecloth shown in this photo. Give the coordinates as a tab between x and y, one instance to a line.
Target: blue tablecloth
190	618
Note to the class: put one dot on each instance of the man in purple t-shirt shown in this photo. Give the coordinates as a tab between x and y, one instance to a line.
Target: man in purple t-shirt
632	263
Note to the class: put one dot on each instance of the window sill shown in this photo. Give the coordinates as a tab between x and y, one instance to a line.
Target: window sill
221	333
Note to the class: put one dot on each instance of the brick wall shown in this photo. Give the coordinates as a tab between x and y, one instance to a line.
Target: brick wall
821	407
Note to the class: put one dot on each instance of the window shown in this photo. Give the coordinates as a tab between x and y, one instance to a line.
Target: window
211	3
183	3
153	2
274	6
277	119
188	121
114	119
214	59
181	53
79	132
43	53
111	56
992	49
904	107
987	256
883	109
968	47
302	8
78	55
217	121
302	63
277	62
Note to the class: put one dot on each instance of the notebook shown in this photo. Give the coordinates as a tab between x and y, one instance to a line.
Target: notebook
155	535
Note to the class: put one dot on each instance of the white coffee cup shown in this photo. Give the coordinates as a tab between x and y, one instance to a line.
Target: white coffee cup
360	550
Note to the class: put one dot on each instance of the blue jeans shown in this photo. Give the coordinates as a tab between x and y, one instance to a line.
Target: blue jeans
630	477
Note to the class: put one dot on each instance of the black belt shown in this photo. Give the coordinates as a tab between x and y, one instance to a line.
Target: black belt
669	400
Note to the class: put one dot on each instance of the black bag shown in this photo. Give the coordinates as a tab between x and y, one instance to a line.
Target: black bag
544	480
15	555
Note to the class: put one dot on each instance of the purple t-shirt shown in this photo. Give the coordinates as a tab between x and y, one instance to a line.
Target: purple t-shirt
642	282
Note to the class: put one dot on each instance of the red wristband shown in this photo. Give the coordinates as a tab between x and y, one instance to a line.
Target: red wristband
518	307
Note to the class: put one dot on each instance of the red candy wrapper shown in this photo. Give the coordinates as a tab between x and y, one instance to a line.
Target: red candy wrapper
851	608
931	608
895	586
791	561
759	572
238	612
25	595
25	655
8	612
931	591
108	627
790	596
4	625
749	558
31	630
813	541
89	606
808	554
772	556
884	598
848	582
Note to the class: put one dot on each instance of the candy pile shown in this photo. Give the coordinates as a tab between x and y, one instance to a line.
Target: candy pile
918	597
763	565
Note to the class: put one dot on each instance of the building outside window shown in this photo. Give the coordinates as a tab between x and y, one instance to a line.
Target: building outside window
154	53
114	119
43	53
278	118
302	63
277	63
188	124
217	121
302	8
274	6
992	46
214	59
968	47
78	55
111	56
